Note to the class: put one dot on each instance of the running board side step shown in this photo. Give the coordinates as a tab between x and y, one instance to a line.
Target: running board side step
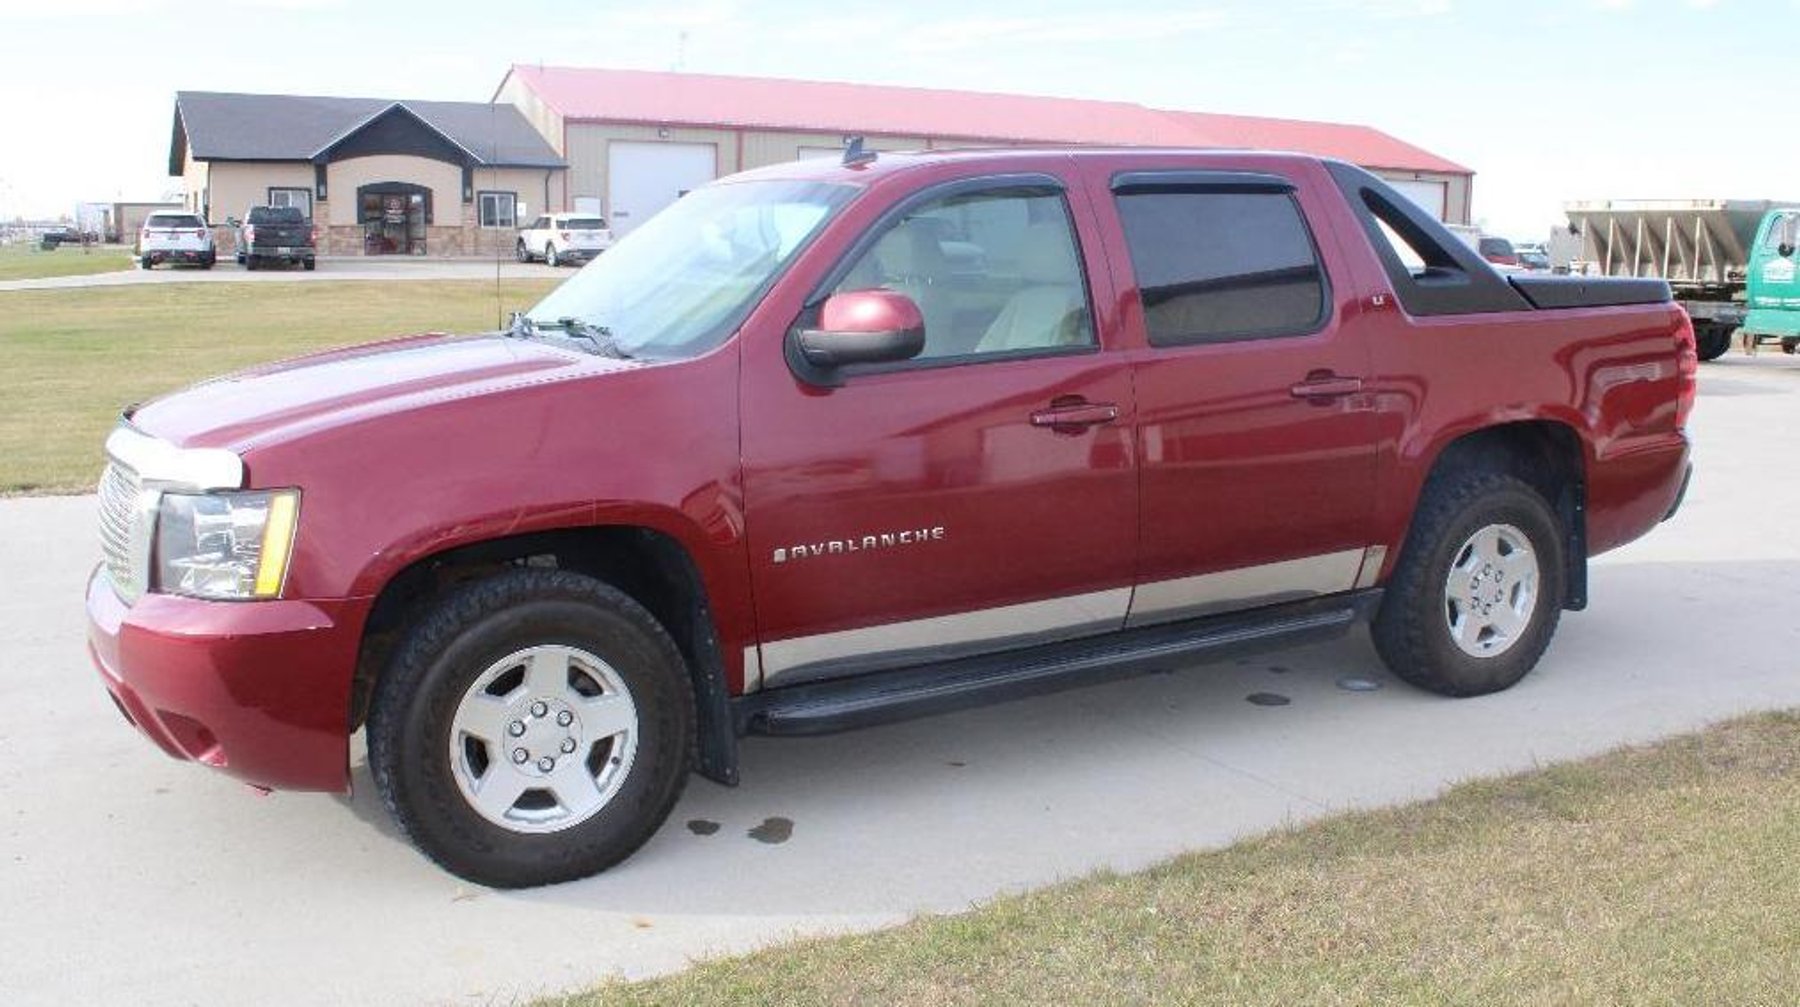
924	690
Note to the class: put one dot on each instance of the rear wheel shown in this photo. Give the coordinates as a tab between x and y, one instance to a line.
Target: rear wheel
550	256
309	264
251	263
1789	344
147	262
522	253
1478	589
1711	341
534	727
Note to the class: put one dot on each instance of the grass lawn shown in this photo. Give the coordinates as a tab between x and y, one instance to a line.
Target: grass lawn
1660	875
25	261
71	359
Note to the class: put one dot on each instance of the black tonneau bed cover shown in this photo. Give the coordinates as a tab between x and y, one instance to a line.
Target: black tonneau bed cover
1588	291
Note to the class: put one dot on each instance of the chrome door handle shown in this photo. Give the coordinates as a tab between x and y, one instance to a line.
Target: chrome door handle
1076	416
1325	386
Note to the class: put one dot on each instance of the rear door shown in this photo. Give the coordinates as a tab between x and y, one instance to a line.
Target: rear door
980	497
1256	444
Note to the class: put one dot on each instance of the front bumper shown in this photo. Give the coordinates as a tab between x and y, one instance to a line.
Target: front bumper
260	690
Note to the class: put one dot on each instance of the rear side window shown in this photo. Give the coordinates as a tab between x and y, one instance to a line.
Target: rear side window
1216	266
183	220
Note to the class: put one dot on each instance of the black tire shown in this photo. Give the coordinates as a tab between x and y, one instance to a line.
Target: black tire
147	262
309	264
551	259
1412	631
522	253
251	263
1790	344
448	650
1711	341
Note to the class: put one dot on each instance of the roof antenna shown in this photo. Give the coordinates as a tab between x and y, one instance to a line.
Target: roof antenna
855	156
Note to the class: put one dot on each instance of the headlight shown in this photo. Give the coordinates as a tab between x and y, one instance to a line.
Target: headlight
225	545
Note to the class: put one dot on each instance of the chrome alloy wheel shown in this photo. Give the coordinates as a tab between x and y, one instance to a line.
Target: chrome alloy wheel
1491	591
543	739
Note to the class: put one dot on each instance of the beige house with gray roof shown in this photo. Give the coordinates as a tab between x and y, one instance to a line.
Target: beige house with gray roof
376	176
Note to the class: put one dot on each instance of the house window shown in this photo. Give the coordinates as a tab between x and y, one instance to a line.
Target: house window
498	209
301	198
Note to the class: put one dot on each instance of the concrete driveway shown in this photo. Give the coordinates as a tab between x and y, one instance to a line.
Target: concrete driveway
346	268
127	876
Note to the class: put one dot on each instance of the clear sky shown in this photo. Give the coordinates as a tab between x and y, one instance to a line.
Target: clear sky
1546	101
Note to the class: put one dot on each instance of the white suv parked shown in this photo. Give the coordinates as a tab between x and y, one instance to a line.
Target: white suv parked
557	238
175	237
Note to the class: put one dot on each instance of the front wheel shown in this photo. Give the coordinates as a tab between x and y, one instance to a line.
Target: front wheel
550	256
534	727
1478	589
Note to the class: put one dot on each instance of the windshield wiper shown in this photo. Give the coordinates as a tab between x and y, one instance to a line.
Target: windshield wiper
522	327
599	335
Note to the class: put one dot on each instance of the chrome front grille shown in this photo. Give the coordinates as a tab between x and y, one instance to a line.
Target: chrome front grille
118	504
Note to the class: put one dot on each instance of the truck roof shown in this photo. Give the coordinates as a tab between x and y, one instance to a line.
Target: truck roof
887	163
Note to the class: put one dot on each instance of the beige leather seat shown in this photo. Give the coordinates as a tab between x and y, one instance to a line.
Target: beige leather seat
1050	311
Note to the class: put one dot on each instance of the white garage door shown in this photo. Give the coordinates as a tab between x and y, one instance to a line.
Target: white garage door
1430	195
642	178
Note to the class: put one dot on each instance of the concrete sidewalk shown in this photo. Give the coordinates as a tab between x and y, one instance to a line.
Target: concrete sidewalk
128	876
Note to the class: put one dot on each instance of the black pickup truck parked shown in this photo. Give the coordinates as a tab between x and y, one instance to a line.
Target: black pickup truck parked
270	234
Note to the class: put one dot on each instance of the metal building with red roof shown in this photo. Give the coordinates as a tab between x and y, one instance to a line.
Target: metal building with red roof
635	139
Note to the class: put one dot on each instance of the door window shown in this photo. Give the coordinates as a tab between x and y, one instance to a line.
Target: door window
1216	266
993	271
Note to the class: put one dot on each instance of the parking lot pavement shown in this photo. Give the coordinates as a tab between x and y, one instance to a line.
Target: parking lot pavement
334	268
127	876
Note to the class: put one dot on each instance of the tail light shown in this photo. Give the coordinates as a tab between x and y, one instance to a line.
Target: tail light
1687	368
249	234
315	234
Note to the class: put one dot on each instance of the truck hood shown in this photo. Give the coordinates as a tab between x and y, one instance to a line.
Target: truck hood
277	401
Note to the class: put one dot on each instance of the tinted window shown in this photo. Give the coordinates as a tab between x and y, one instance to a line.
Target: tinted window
992	271
276	215
1496	246
173	220
1222	265
584	224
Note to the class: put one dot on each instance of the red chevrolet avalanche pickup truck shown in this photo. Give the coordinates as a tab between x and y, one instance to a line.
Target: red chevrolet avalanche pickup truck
826	444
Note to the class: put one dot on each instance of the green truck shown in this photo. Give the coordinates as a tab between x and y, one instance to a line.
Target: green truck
1774	288
1718	255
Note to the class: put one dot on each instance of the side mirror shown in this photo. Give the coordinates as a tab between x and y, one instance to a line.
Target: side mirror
858	327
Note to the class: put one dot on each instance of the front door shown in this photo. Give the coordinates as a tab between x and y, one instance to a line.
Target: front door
1257	447
393	221
977	498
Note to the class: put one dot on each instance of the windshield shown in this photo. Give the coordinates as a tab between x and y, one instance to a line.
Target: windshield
1496	246
681	283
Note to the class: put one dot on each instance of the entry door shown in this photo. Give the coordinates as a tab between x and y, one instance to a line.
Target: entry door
1257	445
642	178
979	498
